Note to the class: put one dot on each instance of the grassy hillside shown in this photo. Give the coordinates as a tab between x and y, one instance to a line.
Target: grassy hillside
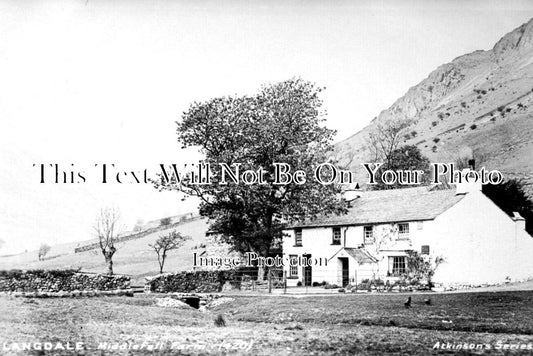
133	257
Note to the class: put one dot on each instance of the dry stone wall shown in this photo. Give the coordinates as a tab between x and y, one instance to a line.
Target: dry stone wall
192	282
60	281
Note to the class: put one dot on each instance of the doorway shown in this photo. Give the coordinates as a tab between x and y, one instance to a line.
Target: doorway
345	268
308	272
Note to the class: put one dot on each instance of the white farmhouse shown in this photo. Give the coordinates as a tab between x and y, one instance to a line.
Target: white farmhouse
479	242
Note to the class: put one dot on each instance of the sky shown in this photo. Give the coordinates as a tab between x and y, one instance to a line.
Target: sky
86	82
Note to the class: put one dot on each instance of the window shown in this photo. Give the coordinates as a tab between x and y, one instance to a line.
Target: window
336	236
293	263
298	237
425	250
368	233
397	265
403	231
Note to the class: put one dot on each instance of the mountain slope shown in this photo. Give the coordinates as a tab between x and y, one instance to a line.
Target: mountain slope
480	101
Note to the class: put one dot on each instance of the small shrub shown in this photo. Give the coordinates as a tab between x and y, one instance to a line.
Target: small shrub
473	126
219	321
299	284
434	123
434	148
463	104
165	221
295	327
440	115
436	139
414	133
365	286
378	282
501	108
508	110
43	251
330	286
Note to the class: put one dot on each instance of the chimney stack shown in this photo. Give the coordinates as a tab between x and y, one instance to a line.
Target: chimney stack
519	221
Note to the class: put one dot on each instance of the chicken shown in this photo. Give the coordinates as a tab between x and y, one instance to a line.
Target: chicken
407	303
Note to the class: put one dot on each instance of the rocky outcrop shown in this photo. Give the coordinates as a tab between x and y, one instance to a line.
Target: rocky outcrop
520	39
481	101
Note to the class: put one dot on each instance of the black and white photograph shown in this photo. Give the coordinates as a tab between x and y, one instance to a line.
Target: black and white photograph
249	177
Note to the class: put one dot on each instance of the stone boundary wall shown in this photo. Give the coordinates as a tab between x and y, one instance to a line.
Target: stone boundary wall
56	281
192	282
72	294
138	235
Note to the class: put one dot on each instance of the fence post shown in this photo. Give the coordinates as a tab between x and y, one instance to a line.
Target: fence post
284	282
269	281
356	279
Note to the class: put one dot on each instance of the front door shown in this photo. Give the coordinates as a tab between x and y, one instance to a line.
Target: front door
345	271
308	272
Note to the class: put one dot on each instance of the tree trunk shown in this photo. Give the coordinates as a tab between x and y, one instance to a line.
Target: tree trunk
261	269
260	273
109	261
161	263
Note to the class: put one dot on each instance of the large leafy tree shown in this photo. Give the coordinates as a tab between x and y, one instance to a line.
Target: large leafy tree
282	123
403	158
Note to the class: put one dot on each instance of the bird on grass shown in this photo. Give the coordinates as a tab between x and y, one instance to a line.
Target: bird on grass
427	301
407	303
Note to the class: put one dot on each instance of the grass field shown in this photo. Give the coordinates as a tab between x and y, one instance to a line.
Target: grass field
134	257
279	325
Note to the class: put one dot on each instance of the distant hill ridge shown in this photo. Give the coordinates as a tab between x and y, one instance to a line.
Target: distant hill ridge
481	101
174	222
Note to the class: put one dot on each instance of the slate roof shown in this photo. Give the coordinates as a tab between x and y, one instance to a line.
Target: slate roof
387	206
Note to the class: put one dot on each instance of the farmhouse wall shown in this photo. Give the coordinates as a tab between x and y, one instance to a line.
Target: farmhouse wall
481	244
